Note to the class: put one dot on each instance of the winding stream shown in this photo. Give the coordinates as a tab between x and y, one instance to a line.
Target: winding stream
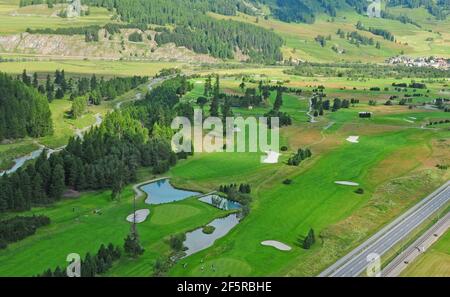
20	161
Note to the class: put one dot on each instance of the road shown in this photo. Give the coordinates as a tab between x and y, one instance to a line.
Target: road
417	248
355	263
150	86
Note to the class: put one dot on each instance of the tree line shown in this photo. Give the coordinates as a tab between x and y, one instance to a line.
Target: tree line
91	266
284	118
361	70
91	32
299	156
242	188
95	89
19	227
376	31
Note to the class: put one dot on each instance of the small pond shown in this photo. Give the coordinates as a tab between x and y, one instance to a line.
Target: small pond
220	202
161	192
197	240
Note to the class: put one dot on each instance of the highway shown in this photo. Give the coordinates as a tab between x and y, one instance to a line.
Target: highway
417	248
355	263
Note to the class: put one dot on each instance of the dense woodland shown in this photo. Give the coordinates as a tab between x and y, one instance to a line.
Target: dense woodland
307	10
18	228
95	89
106	158
197	31
23	110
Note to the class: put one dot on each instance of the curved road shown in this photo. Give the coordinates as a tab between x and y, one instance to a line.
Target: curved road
355	263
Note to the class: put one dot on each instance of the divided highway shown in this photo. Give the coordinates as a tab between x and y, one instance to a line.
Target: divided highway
355	263
417	248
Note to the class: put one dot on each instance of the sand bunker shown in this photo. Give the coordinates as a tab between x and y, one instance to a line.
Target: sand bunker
141	216
353	139
276	244
346	183
409	121
271	158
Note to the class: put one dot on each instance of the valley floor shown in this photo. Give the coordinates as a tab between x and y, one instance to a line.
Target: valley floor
394	162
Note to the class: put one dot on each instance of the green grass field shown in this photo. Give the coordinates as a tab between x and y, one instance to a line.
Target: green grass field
411	40
394	162
16	20
286	212
76	228
88	67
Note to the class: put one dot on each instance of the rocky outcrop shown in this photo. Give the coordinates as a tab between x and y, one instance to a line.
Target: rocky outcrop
108	47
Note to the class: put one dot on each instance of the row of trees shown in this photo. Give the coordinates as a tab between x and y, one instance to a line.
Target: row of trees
376	31
299	156
305	11
319	105
362	70
49	3
91	32
18	228
242	188
94	89
90	266
23	111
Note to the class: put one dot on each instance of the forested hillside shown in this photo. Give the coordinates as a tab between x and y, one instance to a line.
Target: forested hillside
199	32
439	8
307	10
23	110
106	158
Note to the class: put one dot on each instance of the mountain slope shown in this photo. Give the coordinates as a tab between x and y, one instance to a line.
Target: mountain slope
253	30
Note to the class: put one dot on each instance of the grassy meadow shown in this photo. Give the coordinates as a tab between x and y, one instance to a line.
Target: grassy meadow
411	40
88	67
15	19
